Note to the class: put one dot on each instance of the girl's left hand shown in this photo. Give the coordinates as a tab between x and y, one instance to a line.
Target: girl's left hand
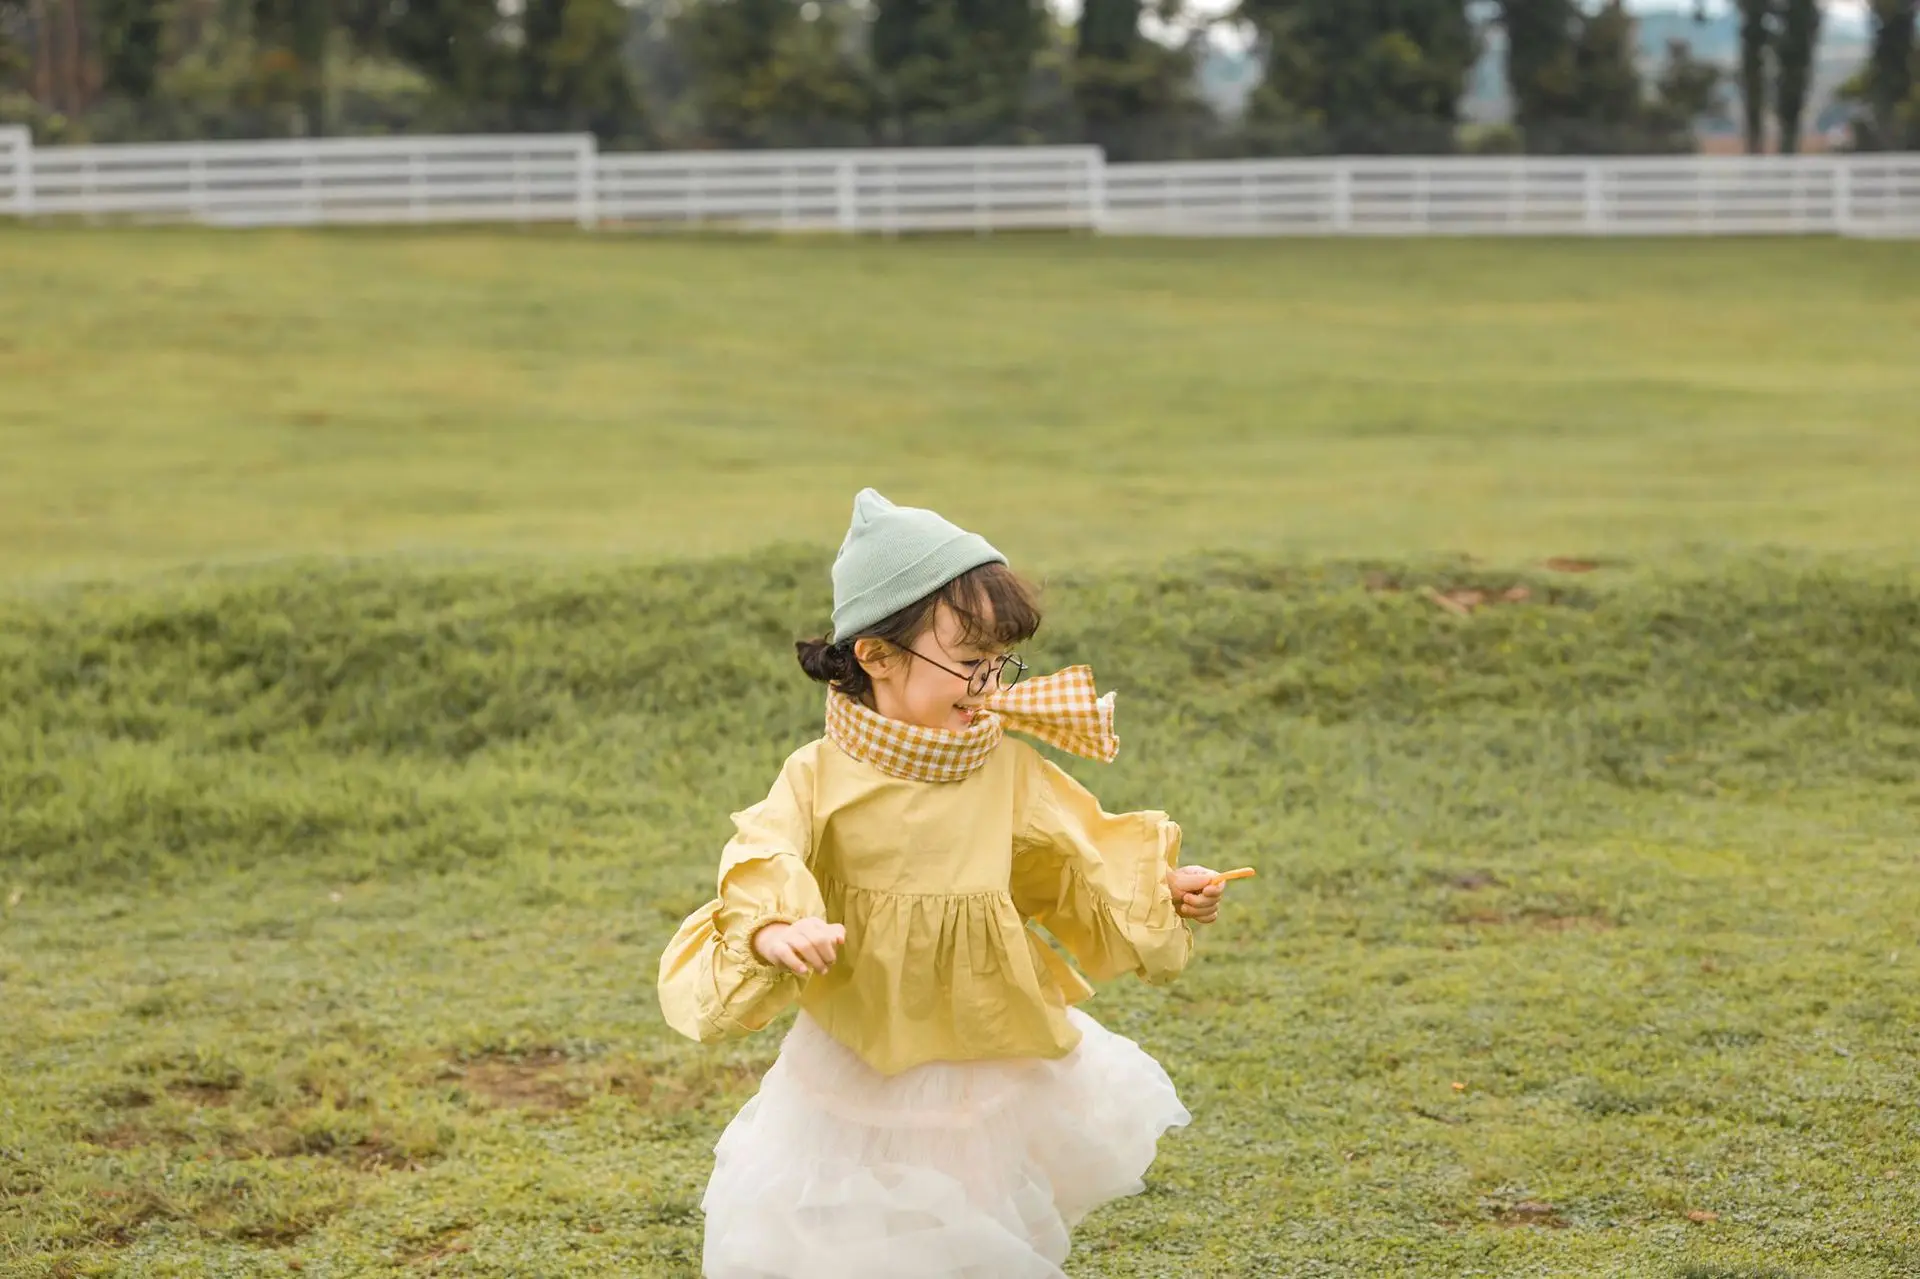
1195	894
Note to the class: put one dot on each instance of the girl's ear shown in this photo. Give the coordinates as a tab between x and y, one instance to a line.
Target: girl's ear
875	655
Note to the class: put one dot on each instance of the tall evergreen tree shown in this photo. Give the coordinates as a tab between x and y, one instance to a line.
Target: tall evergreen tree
1893	107
956	70
1797	39
770	73
1368	75
1542	72
293	36
572	74
130	32
455	44
1109	30
1135	96
1577	85
1757	22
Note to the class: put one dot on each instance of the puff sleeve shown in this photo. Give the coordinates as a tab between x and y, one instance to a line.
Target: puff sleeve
712	986
1097	880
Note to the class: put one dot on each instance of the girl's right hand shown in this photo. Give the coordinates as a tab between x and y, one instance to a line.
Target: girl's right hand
804	946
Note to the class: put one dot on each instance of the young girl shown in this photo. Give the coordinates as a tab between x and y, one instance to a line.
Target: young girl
939	1108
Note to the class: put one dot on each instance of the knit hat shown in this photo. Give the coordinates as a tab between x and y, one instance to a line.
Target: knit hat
895	555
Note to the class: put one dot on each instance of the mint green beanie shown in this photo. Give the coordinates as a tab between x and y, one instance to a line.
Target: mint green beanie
895	555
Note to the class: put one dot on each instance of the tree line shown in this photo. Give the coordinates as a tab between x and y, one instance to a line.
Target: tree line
1338	76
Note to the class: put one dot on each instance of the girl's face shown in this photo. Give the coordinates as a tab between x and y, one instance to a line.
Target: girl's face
917	691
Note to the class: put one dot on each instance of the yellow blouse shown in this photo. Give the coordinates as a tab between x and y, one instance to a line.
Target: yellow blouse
938	885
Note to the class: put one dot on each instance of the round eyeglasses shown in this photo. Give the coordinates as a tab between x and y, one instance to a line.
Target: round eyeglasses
987	673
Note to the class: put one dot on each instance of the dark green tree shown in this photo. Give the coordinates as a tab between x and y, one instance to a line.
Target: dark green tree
456	45
1611	92
571	73
1134	96
293	37
956	71
1577	85
1109	30
1886	87
770	73
1797	37
1758	19
130	34
1686	90
1363	75
1543	75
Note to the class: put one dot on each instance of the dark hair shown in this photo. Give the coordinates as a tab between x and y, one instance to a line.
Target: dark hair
996	607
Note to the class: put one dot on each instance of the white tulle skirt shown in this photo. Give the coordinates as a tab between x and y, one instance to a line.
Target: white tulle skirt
974	1170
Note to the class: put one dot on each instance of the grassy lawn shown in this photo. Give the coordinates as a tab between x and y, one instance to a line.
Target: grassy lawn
176	396
1587	940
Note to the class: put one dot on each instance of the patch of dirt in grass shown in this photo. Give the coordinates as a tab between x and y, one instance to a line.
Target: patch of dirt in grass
538	1080
1463	601
447	1243
548	1081
126	1097
200	1093
121	1137
1527	1212
1468	881
1549	918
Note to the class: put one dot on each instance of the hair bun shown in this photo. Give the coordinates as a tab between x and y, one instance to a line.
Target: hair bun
827	663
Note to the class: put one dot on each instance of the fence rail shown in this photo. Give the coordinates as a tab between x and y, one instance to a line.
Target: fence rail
1518	196
565	178
373	180
886	191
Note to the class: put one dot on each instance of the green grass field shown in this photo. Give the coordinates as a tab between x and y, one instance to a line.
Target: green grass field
172	397
1587	940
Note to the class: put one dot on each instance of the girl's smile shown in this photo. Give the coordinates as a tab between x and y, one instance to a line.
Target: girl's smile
942	680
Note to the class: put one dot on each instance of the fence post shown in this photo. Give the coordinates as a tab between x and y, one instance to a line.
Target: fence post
197	185
23	174
979	197
90	187
586	193
1593	200
311	206
1342	197
1097	191
1842	197
17	144
846	209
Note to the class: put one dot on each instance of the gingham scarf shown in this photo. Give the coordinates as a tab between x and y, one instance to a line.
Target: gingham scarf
1059	709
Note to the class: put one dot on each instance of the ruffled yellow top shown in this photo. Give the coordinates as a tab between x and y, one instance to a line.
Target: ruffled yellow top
941	887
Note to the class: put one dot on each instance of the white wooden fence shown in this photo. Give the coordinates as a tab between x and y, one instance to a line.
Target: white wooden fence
885	191
565	178
1679	195
347	180
16	172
